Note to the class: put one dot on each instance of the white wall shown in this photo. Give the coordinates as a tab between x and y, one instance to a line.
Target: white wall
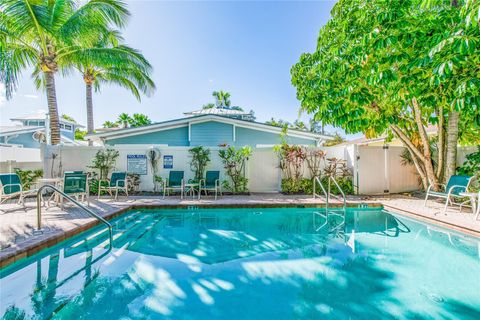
18	157
376	170
80	158
462	153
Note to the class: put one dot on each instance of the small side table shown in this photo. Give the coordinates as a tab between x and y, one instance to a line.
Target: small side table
57	183
191	188
474	198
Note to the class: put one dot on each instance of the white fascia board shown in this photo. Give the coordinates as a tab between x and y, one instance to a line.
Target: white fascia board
136	133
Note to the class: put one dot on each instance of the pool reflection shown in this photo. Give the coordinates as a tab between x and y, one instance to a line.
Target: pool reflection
281	263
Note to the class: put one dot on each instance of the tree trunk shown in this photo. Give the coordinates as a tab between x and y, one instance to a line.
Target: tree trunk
440	144
52	108
452	141
418	158
429	170
90	124
420	170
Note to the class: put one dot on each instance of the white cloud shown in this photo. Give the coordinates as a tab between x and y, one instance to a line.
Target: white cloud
30	96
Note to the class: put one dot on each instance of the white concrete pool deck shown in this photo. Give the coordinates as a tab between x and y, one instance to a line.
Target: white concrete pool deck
17	227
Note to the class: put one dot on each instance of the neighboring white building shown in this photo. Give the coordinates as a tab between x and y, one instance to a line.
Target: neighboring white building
30	130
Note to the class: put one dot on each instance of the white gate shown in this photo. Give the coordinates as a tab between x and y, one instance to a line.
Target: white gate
263	171
379	170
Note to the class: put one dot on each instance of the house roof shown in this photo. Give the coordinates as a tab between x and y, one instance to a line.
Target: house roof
7	131
430	130
217	111
43	116
203	118
14	130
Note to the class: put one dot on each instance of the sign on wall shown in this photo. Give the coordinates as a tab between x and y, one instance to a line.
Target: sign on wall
167	162
137	163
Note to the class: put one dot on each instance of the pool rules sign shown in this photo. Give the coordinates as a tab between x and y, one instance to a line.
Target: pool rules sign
137	163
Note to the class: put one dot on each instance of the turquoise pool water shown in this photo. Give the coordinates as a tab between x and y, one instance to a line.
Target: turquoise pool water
284	263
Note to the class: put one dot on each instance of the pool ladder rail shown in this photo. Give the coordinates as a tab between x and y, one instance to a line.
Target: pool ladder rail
327	192
328	213
78	204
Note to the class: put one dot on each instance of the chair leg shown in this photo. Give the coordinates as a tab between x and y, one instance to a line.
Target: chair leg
164	193
116	194
215	193
446	205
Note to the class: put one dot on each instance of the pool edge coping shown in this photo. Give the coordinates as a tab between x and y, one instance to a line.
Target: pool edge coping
444	224
30	247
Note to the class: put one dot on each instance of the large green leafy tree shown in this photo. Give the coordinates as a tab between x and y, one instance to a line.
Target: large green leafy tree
374	72
109	62
45	34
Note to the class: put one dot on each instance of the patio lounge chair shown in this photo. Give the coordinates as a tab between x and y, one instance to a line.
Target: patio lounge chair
210	183
11	187
455	185
76	185
117	182
174	182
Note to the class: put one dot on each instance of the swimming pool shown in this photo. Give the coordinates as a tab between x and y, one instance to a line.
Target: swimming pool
275	263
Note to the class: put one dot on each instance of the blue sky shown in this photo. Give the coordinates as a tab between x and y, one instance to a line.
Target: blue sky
245	48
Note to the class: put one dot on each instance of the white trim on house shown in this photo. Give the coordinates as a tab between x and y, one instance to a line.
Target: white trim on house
167	125
135	133
13	131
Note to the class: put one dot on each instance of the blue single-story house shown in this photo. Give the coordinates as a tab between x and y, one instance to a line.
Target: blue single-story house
208	130
30	131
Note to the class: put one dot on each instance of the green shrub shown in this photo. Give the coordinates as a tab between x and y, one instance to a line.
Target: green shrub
234	163
93	186
198	163
305	186
28	177
471	167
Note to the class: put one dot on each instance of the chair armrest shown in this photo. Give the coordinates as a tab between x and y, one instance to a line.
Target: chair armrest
457	186
435	184
165	183
217	183
201	182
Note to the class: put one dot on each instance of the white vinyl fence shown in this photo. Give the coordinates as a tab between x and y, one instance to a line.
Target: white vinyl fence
379	170
17	157
376	170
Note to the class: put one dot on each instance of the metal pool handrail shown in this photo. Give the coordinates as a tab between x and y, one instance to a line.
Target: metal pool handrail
81	206
341	191
315	181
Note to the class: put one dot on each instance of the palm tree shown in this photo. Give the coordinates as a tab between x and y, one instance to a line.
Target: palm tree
44	34
208	106
124	119
222	99
140	120
110	124
111	62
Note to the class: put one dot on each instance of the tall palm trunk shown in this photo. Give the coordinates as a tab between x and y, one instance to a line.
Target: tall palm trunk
52	107
90	126
452	140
